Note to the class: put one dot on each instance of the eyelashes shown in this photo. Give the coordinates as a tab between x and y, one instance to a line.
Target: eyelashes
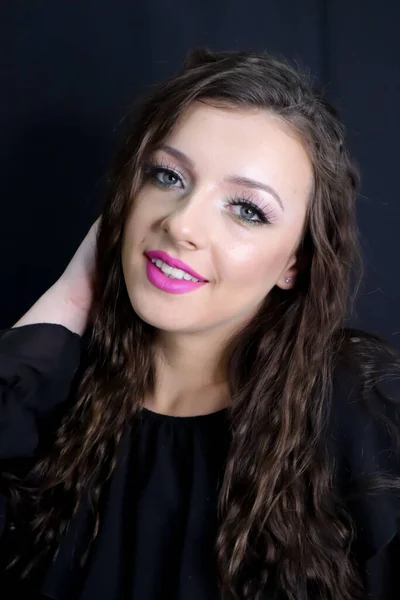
243	200
168	177
152	170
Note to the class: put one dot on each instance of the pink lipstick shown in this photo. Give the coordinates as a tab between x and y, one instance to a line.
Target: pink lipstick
168	284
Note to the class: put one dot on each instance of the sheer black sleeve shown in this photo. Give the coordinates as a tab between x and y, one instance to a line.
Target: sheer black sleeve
37	365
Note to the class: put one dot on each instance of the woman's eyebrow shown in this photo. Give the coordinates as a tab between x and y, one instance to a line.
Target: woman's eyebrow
177	154
236	179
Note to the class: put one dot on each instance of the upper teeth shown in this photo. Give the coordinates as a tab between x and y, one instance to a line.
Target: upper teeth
171	271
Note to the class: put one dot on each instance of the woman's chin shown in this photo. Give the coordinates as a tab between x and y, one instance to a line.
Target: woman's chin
165	322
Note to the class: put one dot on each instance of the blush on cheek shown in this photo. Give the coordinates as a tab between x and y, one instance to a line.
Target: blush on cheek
256	264
258	271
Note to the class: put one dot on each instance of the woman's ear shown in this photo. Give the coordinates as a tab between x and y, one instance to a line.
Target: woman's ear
289	275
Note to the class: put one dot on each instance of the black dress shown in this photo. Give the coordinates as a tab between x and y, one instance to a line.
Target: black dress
159	511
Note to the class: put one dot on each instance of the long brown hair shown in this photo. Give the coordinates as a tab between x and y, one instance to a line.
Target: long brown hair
278	509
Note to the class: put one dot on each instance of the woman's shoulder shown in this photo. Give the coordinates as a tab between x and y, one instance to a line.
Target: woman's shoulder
365	435
365	405
366	379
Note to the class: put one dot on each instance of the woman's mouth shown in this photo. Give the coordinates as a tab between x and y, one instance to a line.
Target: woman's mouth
173	266
169	279
172	272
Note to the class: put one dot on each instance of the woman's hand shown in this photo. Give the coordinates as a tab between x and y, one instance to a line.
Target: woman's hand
78	278
69	300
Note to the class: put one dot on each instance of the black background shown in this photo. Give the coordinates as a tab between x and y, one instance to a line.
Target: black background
70	70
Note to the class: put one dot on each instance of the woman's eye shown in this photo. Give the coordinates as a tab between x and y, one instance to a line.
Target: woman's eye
247	213
166	178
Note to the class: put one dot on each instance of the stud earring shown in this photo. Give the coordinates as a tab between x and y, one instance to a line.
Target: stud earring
287	279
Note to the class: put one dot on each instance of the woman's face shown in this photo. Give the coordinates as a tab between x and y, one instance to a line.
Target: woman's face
194	205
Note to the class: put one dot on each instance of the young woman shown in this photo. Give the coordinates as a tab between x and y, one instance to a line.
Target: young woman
183	414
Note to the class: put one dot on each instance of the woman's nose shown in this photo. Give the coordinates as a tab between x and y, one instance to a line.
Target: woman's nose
189	221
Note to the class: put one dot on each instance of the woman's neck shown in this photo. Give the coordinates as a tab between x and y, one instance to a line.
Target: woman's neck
191	377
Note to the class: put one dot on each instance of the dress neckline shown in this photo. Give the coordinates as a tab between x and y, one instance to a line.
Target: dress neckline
190	419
